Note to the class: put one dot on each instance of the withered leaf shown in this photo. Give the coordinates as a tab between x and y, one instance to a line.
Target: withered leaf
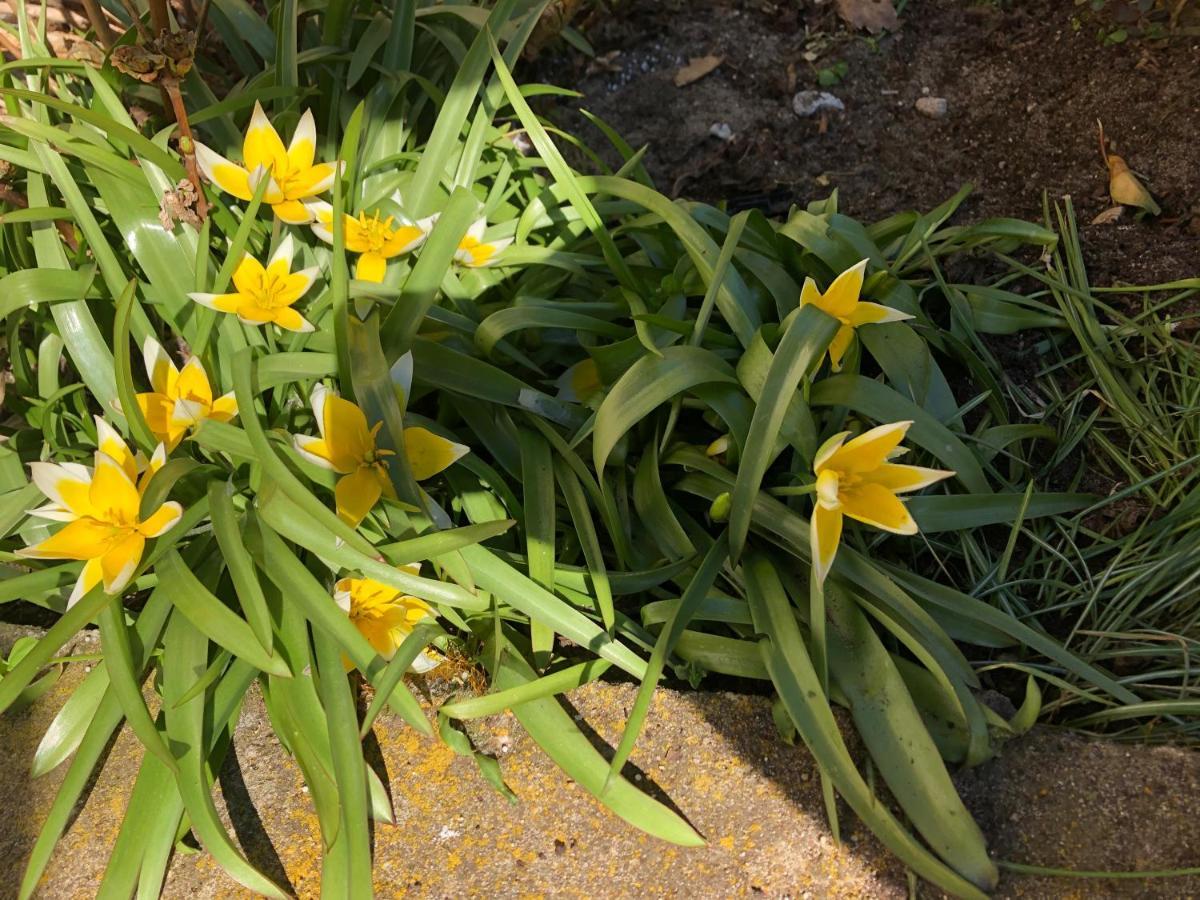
873	15
138	62
697	68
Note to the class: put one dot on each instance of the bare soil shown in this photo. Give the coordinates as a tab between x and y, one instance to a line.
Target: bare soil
1051	799
1024	86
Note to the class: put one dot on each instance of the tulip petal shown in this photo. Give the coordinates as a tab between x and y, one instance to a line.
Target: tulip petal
118	565
356	494
371	267
225	303
825	534
870	449
315	450
426	661
293	212
248	275
875	313
229	177
113	494
84	538
158	459
159	368
402	374
224	408
250	313
827	449
303	148
88	578
877	506
322	219
290	320
839	301
184	415
356	237
110	443
66	488
272	193
429	454
317	399
295	285
315	181
161	520
281	259
901	478
193	382
263	146
810	294
52	512
346	432
156	410
404	239
839	345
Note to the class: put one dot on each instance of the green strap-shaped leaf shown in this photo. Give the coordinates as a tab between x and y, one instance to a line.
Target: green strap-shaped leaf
960	512
184	659
650	382
213	618
786	657
349	768
807	335
901	747
560	738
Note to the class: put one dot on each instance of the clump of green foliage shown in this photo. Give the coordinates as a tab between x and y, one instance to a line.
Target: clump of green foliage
643	397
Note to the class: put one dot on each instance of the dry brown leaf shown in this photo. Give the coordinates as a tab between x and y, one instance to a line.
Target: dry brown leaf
1109	215
873	15
1123	186
697	68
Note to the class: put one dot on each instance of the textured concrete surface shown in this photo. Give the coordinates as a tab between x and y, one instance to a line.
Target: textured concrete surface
1052	799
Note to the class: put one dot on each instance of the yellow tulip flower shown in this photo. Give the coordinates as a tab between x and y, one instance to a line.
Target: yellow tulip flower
842	302
347	446
293	176
375	239
474	252
102	509
181	397
856	479
385	616
580	383
266	293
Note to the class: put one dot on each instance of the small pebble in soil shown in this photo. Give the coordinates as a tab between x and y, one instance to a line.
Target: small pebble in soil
721	130
809	103
933	107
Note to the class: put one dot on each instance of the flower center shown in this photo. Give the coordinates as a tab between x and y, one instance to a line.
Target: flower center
287	178
831	485
119	523
267	291
376	233
366	606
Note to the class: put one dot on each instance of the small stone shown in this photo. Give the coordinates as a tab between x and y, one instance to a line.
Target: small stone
933	107
809	103
721	130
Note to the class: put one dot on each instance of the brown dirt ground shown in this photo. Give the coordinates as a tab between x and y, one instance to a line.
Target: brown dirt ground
1052	799
1024	90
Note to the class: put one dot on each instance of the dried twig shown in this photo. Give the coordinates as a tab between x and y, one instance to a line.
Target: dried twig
13	197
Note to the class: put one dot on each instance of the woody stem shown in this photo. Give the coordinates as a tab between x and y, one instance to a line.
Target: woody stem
187	143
